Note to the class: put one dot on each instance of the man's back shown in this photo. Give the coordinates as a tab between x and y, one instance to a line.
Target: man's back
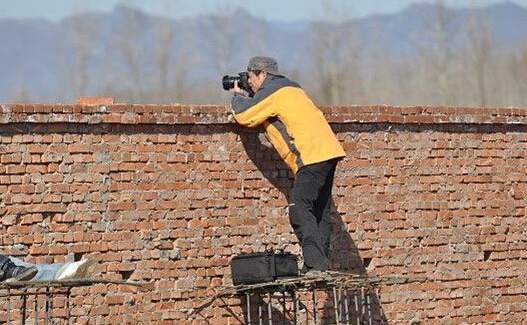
295	126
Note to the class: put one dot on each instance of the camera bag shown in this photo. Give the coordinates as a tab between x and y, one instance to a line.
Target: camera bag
263	267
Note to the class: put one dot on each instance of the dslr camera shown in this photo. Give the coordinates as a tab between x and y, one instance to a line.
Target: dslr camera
243	82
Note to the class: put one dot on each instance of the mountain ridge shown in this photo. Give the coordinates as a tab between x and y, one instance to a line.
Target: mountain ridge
40	57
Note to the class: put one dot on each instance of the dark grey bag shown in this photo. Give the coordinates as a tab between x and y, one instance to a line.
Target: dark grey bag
263	267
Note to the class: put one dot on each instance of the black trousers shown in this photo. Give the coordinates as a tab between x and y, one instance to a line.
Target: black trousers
309	212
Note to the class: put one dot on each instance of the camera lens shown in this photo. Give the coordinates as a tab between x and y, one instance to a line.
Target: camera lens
228	82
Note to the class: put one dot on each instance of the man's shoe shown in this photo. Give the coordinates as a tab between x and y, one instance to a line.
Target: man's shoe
77	270
314	273
21	273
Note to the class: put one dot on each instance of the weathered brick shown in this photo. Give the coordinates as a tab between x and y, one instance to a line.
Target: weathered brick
441	204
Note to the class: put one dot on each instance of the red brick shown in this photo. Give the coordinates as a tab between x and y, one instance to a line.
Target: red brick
164	205
95	101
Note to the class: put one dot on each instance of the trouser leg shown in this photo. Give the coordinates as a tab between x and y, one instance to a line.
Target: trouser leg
323	208
306	198
45	272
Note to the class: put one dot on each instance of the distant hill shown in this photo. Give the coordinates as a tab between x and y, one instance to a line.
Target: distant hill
44	61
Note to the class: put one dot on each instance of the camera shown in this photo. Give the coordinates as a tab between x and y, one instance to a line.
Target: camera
243	82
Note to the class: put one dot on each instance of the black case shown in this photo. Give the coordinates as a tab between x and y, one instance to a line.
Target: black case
262	267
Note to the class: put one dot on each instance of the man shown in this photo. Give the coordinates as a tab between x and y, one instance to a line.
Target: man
304	140
13	269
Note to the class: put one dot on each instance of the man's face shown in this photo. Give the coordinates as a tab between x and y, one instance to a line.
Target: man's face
256	81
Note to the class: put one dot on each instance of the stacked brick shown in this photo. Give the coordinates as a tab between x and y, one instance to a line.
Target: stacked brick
167	194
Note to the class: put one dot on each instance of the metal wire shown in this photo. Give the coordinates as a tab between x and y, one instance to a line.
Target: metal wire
26	295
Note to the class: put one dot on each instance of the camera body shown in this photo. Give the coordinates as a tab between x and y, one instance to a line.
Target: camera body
243	82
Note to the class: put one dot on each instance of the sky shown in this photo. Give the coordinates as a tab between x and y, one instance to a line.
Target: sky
282	10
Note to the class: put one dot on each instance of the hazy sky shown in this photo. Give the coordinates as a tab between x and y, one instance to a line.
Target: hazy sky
284	10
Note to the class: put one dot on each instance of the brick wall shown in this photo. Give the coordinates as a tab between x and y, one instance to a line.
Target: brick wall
167	194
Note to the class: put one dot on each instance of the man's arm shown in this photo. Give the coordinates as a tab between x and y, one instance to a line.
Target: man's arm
253	111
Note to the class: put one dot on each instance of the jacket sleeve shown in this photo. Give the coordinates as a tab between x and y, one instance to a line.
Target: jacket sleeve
255	114
252	112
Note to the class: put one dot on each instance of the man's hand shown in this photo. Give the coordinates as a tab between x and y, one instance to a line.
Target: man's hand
230	117
238	90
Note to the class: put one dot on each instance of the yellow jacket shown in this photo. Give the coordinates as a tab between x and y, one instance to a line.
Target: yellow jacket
293	124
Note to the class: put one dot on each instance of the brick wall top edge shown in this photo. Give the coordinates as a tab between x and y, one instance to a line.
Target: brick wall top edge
219	114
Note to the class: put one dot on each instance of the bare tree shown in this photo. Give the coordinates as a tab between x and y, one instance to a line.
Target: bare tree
516	84
164	39
437	59
173	64
225	55
381	73
221	37
456	61
84	36
128	45
480	55
182	63
336	57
